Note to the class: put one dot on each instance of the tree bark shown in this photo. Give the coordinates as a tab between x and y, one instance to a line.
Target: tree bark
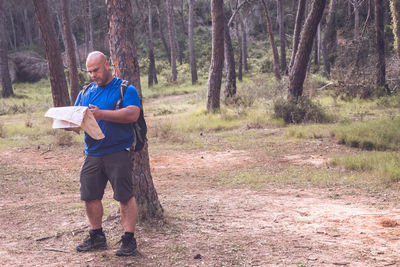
301	7
78	57
395	10
14	35
152	74
175	35
5	78
380	44
298	72
217	56
244	43
240	51
356	7
192	56
230	77
272	41
27	28
86	18
126	66
162	36
329	41
281	19
58	82
172	41
90	18
72	69
317	46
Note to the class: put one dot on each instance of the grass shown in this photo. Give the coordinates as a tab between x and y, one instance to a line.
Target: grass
311	131
384	165
381	134
257	177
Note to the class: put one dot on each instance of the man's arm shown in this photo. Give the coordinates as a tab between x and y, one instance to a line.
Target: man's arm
124	115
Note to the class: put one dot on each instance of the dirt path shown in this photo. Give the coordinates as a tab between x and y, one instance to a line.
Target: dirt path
208	223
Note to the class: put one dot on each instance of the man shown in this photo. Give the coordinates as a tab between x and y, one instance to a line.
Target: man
108	159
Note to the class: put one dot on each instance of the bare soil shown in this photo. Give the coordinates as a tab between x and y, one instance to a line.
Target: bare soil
208	222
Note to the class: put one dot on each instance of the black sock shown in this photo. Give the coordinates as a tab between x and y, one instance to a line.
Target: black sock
129	234
98	231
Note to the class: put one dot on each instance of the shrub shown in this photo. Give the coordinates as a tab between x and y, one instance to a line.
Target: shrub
302	110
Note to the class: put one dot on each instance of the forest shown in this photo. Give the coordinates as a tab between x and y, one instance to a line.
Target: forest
273	130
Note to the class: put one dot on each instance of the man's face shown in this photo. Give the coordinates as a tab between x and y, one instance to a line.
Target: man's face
98	69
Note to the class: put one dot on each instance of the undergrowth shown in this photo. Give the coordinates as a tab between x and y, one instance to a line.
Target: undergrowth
384	165
381	134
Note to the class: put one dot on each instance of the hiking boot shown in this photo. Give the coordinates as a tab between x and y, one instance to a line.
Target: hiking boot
92	242
128	247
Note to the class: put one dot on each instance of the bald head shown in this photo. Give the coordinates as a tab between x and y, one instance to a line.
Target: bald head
98	68
96	56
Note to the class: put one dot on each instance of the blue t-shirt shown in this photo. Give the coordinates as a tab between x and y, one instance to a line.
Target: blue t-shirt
118	136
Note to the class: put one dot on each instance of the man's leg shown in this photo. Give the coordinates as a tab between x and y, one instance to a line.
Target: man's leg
96	239
129	213
94	212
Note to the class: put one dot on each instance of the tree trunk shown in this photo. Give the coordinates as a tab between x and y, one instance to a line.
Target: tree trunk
62	33
58	82
298	72
161	30
230	77
86	18
272	41
329	41
395	10
380	44
281	19
192	56
317	47
78	57
172	41
5	78
126	66
90	18
297	30
72	69
14	35
240	52
176	41
244	43
356	6
152	74
27	28
217	56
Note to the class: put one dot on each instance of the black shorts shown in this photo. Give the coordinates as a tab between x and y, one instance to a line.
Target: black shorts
97	170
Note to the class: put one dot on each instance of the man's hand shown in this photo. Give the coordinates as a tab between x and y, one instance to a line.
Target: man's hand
95	111
124	115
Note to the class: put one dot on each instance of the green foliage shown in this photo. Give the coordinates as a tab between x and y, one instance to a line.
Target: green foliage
381	134
302	110
384	165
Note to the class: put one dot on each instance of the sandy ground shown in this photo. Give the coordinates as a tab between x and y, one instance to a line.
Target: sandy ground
208	223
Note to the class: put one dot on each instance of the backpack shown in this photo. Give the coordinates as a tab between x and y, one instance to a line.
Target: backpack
139	127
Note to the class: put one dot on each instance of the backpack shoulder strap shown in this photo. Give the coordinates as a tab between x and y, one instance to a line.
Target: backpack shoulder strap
83	91
122	90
